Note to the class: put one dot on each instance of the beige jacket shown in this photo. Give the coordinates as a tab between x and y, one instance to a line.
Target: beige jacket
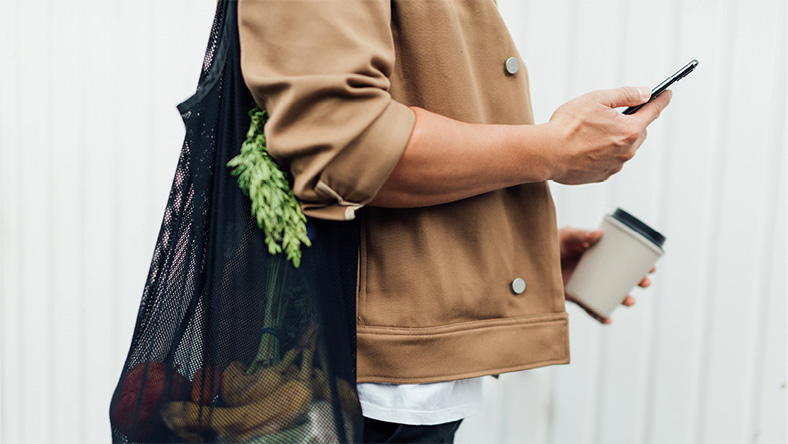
435	299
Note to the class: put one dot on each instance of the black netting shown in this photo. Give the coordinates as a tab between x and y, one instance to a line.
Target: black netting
231	343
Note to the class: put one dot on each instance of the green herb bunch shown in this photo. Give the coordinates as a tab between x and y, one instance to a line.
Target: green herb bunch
273	203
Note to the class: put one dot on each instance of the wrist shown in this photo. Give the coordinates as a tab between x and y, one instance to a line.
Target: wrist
549	143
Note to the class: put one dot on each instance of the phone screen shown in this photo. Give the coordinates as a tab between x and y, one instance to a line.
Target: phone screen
659	89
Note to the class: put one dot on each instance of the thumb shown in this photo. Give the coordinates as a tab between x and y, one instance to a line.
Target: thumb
624	96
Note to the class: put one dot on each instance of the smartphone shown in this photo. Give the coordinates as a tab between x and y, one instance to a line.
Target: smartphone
659	89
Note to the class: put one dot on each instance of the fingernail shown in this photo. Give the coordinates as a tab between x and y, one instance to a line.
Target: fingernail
645	93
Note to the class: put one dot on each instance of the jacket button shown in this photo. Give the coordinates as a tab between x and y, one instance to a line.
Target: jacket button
512	65
518	286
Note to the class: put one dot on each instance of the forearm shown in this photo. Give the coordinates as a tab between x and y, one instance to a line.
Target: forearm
447	160
586	140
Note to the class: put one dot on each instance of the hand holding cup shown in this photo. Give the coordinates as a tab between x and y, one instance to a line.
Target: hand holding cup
600	270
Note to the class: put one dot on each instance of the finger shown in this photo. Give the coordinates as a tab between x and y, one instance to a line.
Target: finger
628	301
645	282
600	319
653	109
594	236
653	269
587	237
624	96
576	239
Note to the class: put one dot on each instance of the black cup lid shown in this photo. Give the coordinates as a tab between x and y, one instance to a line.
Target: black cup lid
636	224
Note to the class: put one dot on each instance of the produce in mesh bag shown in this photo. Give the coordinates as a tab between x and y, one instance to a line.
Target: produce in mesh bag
273	401
206	384
146	387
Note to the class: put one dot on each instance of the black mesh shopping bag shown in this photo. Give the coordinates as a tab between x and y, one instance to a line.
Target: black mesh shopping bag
232	343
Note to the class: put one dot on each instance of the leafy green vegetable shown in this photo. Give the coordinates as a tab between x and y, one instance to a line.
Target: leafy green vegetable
273	203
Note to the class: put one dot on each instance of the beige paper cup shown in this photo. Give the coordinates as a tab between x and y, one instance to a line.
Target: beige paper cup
612	267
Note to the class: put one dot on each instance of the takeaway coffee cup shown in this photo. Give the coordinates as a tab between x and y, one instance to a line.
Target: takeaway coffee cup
612	267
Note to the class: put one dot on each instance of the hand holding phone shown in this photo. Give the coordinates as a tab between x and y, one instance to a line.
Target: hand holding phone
659	89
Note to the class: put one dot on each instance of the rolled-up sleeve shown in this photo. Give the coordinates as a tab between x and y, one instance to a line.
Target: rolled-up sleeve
321	68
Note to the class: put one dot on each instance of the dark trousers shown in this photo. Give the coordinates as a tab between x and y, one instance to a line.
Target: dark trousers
376	432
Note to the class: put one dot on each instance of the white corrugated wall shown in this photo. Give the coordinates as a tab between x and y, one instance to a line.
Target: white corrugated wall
89	138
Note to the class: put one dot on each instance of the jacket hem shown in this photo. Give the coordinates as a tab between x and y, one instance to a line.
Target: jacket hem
423	355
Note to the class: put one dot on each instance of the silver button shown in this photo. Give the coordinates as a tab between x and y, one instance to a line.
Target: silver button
518	286
512	65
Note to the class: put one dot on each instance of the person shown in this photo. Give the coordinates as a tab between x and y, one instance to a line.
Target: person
414	117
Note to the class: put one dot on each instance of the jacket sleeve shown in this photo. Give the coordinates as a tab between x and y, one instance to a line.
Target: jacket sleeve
321	68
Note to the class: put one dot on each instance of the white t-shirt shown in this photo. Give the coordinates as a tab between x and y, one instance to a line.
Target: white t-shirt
421	404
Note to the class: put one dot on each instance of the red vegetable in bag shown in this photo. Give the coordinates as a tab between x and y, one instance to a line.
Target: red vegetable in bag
135	412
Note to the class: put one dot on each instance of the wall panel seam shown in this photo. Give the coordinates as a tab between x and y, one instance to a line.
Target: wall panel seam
777	113
698	416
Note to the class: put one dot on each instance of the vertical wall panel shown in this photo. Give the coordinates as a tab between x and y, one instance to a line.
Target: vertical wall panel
768	416
771	217
101	129
68	397
35	213
739	263
517	408
10	195
690	175
769	409
527	406
545	21
486	426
